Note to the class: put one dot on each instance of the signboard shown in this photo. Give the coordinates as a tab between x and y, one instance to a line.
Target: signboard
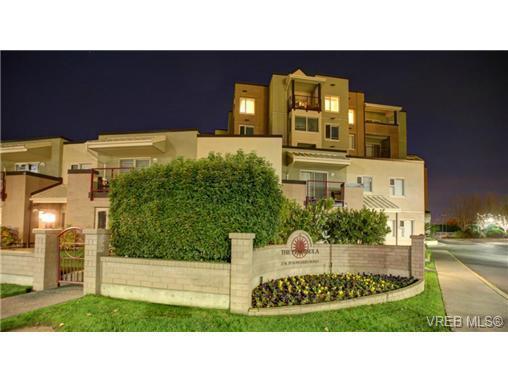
299	250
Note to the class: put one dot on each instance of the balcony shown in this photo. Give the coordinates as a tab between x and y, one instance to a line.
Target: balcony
317	190
304	102
100	180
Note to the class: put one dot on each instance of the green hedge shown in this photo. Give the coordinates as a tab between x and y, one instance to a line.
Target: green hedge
185	210
333	225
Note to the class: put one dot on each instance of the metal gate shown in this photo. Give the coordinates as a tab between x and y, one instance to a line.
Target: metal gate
71	253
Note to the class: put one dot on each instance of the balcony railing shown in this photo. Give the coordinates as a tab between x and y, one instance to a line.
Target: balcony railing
317	190
304	102
100	180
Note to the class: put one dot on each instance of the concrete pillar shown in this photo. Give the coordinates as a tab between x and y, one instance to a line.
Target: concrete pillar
96	246
417	256
242	248
45	270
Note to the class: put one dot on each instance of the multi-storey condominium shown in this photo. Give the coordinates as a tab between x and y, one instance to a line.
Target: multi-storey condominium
322	140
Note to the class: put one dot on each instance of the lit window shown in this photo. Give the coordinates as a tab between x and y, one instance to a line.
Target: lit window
366	181
332	131
397	187
332	104
246	130
29	167
247	105
126	164
303	123
81	166
351	117
352	141
406	228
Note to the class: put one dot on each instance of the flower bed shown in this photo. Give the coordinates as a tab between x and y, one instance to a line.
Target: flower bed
309	289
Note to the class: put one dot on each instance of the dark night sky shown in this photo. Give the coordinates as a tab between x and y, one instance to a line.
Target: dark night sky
456	101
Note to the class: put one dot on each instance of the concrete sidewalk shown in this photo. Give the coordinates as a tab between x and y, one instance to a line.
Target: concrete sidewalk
19	304
465	294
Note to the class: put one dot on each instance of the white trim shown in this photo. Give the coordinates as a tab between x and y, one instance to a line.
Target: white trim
403	195
240	106
96	217
338	131
371	183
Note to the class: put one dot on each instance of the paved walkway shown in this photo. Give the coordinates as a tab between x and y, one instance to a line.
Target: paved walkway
465	294
15	305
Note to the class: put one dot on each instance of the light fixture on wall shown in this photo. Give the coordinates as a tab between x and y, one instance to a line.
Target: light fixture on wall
47	219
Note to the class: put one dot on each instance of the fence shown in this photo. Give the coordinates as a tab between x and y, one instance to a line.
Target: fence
219	285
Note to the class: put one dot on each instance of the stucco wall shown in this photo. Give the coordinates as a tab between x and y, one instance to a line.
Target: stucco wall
16	267
294	190
196	284
269	148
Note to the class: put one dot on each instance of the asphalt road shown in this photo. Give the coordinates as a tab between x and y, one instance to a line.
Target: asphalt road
488	258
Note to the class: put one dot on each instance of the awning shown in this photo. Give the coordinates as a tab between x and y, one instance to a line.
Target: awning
53	195
379	202
318	157
129	146
37	151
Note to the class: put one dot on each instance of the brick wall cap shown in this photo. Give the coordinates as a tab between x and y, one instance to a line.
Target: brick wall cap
96	231
46	231
242	235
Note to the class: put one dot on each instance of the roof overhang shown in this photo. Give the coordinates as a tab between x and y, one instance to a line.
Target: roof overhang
53	195
379	202
26	152
380	107
129	146
338	159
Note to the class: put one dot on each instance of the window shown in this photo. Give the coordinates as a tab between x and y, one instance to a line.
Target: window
406	228
332	131
81	166
246	130
126	164
316	184
332	104
101	218
351	117
29	167
397	187
366	181
373	150
247	105
352	141
303	123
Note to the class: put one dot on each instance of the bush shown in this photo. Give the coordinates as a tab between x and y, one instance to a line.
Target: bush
494	231
309	289
9	237
185	210
312	219
362	227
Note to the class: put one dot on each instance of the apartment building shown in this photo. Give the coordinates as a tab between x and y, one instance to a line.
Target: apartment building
336	144
322	140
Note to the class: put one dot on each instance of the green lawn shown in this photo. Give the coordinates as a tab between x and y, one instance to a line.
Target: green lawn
97	313
7	289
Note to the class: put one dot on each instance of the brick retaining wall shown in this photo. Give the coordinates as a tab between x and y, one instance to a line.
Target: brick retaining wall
16	267
197	284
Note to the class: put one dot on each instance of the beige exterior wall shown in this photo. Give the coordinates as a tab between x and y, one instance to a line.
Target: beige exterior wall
411	205
294	191
269	148
80	209
16	208
46	152
260	117
76	153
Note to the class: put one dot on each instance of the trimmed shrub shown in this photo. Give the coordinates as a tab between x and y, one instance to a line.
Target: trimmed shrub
309	289
185	210
494	231
362	227
312	219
